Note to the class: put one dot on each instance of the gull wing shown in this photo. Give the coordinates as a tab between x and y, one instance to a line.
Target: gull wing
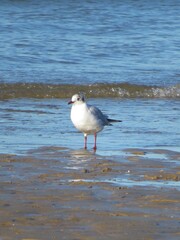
98	114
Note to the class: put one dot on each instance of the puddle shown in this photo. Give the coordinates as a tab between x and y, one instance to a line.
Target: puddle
132	183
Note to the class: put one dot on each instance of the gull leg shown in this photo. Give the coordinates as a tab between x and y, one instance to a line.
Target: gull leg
85	141
95	137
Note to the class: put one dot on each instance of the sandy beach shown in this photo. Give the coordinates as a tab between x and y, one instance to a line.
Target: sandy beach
58	193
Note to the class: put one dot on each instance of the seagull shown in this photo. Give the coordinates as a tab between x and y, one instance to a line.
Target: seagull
88	119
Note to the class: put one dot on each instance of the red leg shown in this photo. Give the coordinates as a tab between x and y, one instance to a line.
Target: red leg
85	141
95	137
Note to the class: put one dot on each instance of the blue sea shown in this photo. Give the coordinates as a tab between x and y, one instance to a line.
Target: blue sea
124	55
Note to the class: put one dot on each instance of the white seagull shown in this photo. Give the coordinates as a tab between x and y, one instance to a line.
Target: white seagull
88	119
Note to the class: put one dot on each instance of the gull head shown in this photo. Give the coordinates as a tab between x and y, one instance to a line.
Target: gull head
77	99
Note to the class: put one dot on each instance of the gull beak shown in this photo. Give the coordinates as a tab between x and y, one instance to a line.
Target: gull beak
70	102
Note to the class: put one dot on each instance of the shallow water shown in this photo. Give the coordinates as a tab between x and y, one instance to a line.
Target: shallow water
30	123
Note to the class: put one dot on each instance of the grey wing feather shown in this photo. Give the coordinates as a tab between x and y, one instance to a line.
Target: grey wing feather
104	118
95	111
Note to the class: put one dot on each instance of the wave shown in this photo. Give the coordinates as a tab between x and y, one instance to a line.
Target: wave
102	90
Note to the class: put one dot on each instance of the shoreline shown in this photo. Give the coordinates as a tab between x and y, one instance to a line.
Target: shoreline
58	193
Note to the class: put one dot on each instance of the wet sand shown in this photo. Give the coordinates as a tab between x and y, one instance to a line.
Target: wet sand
58	193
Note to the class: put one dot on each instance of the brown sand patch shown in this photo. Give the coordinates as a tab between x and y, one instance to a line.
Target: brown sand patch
43	199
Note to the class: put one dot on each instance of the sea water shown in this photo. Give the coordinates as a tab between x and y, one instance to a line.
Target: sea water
124	55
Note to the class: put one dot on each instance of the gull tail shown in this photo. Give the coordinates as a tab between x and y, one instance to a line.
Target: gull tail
113	120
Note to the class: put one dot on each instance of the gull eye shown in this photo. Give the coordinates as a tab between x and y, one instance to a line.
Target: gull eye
78	98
